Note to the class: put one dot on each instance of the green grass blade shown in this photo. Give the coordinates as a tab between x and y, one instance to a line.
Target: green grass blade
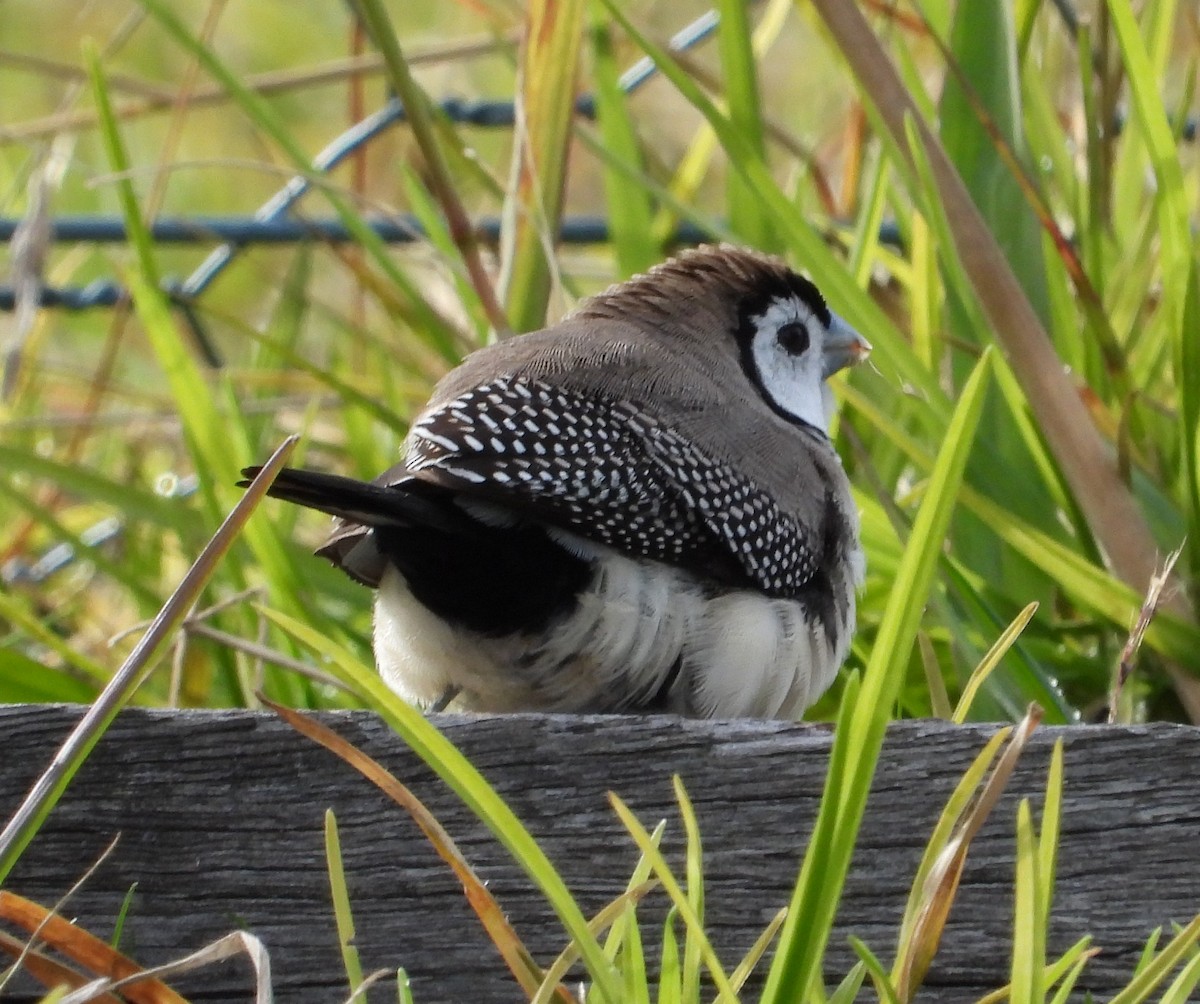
746	211
846	992
1150	118
1069	968
632	962
627	200
1051	826
26	681
340	894
983	43
909	964
797	965
533	207
58	530
1180	990
1028	944
1187	370
694	868
134	503
190	389
991	661
25	620
670	976
879	975
1159	967
750	960
679	898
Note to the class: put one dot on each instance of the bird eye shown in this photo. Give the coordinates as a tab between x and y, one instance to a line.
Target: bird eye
793	338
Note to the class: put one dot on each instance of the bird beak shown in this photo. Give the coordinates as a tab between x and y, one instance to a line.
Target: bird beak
843	347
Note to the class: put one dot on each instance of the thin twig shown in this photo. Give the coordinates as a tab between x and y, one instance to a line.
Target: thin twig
266	654
1124	667
274	82
58	908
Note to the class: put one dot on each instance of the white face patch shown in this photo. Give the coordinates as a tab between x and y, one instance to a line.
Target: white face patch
787	348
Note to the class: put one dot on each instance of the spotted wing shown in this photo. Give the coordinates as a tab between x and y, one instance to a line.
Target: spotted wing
608	472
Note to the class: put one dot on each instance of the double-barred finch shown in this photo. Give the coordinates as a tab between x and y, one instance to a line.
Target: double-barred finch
636	509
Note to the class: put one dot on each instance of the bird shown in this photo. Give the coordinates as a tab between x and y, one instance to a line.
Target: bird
635	510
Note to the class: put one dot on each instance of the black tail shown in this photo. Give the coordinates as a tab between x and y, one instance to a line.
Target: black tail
411	503
494	579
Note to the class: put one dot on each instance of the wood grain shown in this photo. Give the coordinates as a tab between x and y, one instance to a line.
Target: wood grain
220	815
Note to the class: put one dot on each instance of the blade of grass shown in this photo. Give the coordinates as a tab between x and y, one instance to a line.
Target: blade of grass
797	965
632	963
742	971
670	978
134	503
1157	969
679	897
1187	373
26	681
694	870
545	107
912	960
1051	826
441	237
1028	948
1150	118
1180	990
746	211
342	913
879	976
939	699
630	211
614	918
991	661
847	991
1069	968
939	883
640	877
1080	955
190	390
40	515
13	610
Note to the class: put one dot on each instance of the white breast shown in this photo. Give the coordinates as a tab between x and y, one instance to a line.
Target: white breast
740	654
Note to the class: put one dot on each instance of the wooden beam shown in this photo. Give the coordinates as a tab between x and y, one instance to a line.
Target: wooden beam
221	821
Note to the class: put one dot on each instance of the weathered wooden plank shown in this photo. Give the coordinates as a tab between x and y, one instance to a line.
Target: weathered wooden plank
220	816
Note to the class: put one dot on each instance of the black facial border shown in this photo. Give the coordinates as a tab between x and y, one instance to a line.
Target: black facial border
786	287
